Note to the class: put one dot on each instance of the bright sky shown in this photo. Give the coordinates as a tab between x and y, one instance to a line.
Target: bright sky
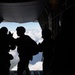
12	26
33	29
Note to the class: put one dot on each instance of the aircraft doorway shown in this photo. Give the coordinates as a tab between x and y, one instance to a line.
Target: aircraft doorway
33	29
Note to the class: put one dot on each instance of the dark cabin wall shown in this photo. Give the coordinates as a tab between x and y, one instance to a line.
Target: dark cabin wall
48	19
55	16
43	18
52	16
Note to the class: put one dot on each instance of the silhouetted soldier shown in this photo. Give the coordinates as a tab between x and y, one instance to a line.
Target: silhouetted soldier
65	44
25	48
6	43
47	48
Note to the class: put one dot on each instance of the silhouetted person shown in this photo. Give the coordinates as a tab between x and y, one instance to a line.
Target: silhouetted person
65	44
25	47
6	43
47	48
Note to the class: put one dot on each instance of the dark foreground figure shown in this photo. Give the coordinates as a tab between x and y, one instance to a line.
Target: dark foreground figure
26	48
47	48
6	43
65	44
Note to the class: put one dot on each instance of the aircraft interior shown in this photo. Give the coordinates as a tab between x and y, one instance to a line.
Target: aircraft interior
57	15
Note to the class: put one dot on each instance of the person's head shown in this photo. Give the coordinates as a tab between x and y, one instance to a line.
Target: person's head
4	31
20	30
46	33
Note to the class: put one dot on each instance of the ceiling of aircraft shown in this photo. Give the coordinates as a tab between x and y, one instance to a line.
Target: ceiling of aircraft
21	10
15	1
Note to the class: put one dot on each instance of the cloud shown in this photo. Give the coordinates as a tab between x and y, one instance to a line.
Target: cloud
35	34
36	58
15	59
36	66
